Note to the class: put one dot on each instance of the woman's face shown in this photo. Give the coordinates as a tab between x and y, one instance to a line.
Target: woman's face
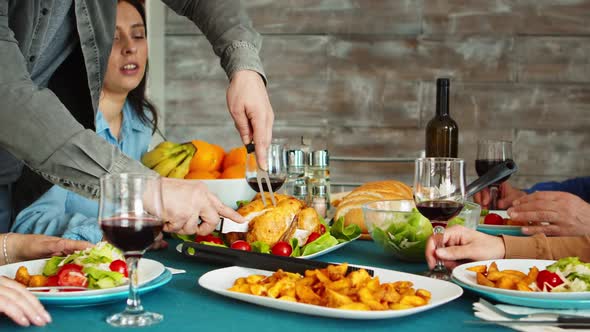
128	57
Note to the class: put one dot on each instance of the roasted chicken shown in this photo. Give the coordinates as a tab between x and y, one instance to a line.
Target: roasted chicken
272	224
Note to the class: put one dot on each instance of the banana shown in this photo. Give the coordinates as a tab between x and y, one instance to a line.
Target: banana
180	171
166	166
163	151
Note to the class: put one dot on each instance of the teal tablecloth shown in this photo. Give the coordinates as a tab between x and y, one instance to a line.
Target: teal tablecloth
188	307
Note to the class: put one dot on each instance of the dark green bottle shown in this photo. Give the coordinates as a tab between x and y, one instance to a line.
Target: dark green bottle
442	133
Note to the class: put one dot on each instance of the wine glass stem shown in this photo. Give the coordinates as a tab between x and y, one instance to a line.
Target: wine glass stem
494	190
439	233
133	302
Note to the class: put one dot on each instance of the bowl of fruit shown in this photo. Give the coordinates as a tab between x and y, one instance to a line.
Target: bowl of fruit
398	227
223	172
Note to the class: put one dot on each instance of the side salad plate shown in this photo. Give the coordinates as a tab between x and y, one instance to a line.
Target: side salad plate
91	268
512	230
548	300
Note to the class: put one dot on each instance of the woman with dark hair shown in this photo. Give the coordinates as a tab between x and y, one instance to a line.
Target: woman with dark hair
125	119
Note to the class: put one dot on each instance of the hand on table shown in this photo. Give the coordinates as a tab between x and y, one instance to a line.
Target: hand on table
250	108
20	305
23	247
507	195
190	208
565	213
464	243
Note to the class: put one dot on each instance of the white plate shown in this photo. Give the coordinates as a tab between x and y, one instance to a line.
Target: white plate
469	278
148	270
319	253
220	280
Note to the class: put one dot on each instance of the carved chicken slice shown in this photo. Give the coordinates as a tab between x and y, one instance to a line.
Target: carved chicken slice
307	220
270	226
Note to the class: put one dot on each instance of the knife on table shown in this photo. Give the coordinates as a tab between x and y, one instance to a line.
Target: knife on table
228	256
564	321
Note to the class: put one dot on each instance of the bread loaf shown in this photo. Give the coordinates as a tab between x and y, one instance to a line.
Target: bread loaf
350	206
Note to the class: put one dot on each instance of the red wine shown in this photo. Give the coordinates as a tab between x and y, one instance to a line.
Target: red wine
275	184
131	234
439	210
482	166
442	132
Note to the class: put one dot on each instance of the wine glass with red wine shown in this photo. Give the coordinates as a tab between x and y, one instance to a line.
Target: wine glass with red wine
129	210
489	154
439	193
277	167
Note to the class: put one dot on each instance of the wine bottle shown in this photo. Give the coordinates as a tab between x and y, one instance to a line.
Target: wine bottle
442	133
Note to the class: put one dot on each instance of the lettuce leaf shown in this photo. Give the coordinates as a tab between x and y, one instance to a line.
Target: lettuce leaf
296	248
52	266
323	242
342	233
103	279
184	237
261	247
242	203
405	237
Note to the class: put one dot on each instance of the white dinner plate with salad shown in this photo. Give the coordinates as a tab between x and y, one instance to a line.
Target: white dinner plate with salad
220	280
148	270
557	300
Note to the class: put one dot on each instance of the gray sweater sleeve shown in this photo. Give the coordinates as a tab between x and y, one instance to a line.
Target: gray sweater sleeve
35	127
228	28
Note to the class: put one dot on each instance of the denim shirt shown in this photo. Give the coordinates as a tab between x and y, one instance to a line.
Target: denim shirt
577	186
36	127
60	212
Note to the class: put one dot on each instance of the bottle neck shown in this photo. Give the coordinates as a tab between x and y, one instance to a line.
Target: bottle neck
442	101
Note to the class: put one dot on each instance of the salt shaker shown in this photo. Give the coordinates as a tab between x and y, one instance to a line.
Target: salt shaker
318	178
319	200
296	162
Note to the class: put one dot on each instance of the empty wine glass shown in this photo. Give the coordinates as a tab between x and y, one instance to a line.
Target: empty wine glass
489	154
277	167
439	193
130	206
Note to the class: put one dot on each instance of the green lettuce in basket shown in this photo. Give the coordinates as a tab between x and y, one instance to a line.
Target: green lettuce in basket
404	235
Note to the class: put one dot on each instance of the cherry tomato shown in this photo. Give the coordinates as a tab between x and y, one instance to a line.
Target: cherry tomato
493	219
72	278
119	266
241	245
322	229
312	237
208	238
51	281
67	268
549	278
282	248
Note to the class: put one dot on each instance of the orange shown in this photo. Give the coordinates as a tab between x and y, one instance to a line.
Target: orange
220	156
216	174
206	158
236	156
200	175
234	172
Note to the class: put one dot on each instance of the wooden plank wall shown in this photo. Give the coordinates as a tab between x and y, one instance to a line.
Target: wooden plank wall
358	75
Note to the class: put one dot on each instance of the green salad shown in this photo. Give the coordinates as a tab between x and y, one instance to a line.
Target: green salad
574	273
95	264
404	235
